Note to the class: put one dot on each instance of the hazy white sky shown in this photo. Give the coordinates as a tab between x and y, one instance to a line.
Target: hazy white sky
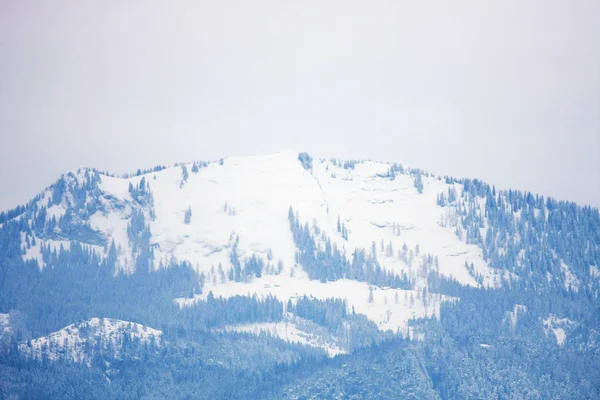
505	91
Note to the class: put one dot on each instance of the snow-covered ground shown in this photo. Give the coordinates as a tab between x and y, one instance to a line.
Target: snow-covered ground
296	330
250	197
76	341
390	309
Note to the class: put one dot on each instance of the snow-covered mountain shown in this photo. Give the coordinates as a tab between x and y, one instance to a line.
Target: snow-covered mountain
222	215
245	201
241	269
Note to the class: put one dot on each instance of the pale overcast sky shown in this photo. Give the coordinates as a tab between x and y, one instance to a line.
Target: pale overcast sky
505	91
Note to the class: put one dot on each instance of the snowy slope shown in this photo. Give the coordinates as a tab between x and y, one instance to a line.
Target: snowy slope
251	196
247	199
296	330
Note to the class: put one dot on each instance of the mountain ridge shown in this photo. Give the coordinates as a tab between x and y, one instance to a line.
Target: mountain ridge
107	205
218	215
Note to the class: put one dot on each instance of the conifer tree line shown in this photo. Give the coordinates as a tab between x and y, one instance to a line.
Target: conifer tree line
329	263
